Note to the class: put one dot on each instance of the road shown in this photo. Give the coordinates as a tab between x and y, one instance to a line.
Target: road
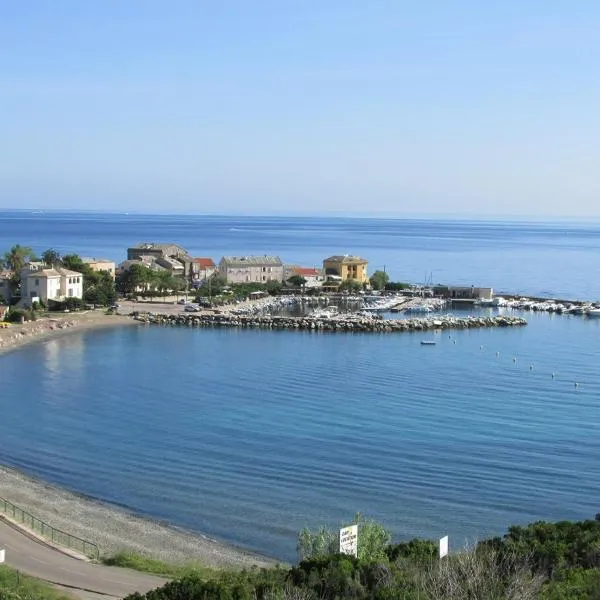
77	577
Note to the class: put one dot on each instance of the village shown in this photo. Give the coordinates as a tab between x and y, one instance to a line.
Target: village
166	269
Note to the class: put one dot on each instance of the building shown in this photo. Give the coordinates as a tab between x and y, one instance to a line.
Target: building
169	256
313	277
346	267
251	269
50	284
463	293
203	268
101	264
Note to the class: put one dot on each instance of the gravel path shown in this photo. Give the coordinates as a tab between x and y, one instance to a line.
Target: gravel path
113	529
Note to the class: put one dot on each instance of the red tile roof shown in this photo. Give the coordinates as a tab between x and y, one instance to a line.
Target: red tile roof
305	271
204	262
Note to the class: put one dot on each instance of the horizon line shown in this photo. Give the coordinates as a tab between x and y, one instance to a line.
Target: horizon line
322	214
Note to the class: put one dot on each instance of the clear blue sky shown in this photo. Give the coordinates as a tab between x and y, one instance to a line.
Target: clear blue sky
251	106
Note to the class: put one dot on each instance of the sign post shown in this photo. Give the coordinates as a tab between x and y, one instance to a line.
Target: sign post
2	555
349	540
444	546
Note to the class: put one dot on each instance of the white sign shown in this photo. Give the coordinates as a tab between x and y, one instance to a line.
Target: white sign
349	540
2	555
444	546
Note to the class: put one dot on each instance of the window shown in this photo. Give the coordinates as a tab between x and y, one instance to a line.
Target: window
70	292
37	282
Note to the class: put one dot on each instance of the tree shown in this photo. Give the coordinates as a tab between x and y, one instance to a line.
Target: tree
74	263
351	285
17	257
130	280
51	257
379	280
297	281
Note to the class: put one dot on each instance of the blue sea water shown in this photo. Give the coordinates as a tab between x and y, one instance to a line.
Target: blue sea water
553	258
249	436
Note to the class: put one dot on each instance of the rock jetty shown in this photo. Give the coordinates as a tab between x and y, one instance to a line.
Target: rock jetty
338	323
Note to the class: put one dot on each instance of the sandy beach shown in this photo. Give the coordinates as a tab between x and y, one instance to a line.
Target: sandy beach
108	526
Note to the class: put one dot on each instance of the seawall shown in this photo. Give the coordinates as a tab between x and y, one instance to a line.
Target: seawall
340	323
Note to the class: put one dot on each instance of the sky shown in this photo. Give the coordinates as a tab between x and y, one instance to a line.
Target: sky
399	107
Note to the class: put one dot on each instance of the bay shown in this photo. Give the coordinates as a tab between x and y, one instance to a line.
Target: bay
249	436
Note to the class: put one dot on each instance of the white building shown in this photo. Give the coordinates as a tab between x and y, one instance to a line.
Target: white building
50	284
251	269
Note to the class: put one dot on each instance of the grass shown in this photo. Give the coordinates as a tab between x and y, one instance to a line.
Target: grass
16	586
139	562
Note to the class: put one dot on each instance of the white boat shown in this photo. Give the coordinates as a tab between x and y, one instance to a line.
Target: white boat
593	312
428	342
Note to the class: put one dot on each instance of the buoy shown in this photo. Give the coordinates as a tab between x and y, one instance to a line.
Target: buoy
531	367
553	375
497	353
576	385
514	359
454	341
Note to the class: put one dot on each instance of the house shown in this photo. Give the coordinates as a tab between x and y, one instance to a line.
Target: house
50	284
463	293
101	264
314	277
202	268
346	267
251	269
169	256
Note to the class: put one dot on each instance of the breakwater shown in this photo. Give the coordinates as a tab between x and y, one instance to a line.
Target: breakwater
339	323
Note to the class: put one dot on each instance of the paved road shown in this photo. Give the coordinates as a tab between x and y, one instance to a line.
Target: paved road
85	580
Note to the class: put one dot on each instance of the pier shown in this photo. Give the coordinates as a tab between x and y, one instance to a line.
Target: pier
339	323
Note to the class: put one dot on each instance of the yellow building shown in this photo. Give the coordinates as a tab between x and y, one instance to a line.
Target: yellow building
346	267
101	264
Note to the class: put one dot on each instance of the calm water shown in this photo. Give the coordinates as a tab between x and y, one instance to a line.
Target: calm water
554	259
251	435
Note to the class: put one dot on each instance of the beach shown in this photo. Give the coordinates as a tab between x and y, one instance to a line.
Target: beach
17	335
111	528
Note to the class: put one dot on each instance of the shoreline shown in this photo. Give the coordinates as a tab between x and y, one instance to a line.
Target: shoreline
112	528
115	529
16	336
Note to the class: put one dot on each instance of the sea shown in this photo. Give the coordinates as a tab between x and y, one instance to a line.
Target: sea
248	436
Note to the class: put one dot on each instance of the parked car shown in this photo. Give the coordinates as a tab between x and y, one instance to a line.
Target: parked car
191	308
182	301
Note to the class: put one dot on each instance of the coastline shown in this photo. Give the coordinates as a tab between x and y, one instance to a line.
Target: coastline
115	529
45	328
112	528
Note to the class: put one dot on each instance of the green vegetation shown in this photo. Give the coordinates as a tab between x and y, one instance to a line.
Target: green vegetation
379	280
146	564
15	586
16	315
543	561
98	286
152	283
